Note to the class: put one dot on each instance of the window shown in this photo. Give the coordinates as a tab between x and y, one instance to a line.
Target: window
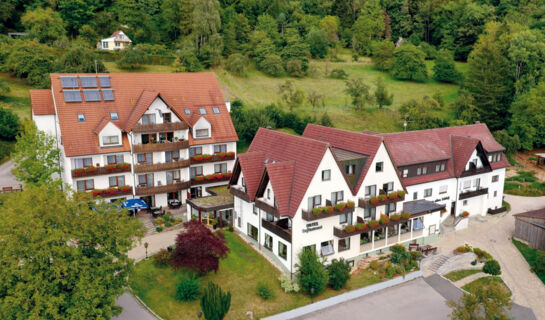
83	163
467	184
252	232
282	250
255	210
495	194
104	45
219	148
114	159
311	248
369	213
477	183
337	197
418	171
269	217
345	218
424	170
173	176
148	119
314	202
202	110
167	117
145	180
371	191
344	244
378	166
326	175
216	110
172	155
415	195
268	194
495	178
187	111
388	186
443	189
390	208
110	140
442	167
268	242
427	192
405	173
84	185
117	181
464	203
195	151
196	192
81	117
202	133
220	168
350	169
117	44
144	158
437	167
326	248
114	116
166	136
195	171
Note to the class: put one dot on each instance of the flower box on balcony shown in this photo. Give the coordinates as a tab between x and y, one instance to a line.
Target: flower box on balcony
79	171
401	193
97	192
350	204
340	206
209	177
227	175
125	188
405	215
374	200
392	195
395	217
465	214
349	229
123	165
384	220
110	167
382	197
361	226
206	156
90	169
372	224
110	191
196	158
198	178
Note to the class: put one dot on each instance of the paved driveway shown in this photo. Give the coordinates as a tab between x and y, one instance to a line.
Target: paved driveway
132	310
493	236
7	179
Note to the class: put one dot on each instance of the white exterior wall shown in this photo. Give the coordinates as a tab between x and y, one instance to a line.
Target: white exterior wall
202	123
496	202
444	198
110	129
45	123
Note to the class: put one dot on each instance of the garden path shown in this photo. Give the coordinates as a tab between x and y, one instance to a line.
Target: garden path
462	282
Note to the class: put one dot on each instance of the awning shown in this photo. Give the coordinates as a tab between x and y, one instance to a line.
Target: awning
134	204
420	207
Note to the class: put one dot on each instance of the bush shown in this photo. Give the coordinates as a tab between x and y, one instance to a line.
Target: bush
338	74
339	273
287	285
237	64
539	266
214	302
492	267
264	291
374	265
131	59
159	229
474	262
482	255
272	65
294	67
230	229
188	289
161	258
10	125
311	272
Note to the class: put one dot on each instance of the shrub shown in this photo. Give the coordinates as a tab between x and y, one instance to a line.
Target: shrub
539	266
374	265
230	229
492	267
339	273
482	255
272	66
338	74
264	291
131	59
237	64
474	262
311	273
188	289
287	285
294	67
161	258
214	302
159	221
159	229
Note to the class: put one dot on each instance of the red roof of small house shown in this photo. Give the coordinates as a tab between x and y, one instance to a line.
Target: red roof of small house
251	165
281	177
41	102
133	93
462	149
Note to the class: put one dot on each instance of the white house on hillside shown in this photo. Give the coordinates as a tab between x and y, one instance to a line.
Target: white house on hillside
117	41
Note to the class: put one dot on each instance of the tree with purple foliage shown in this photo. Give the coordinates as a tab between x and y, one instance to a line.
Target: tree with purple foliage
198	248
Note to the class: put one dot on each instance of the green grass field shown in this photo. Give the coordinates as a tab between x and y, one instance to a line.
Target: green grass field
530	255
460	274
239	273
18	99
471	287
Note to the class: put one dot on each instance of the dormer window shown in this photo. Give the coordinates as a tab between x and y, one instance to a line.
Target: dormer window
114	116
202	133
110	140
81	117
202	111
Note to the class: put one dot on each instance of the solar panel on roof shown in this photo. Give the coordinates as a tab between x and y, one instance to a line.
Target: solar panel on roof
72	95
108	94
104	81
69	82
91	95
88	82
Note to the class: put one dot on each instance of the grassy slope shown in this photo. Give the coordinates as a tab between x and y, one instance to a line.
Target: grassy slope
460	274
470	287
239	273
530	255
18	99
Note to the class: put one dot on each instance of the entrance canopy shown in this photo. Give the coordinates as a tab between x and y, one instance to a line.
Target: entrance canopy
134	204
421	207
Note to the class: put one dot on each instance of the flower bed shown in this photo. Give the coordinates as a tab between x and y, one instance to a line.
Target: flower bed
465	214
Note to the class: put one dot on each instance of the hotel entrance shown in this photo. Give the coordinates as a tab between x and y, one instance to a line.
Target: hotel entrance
207	218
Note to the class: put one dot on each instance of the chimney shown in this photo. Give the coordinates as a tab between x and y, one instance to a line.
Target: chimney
477	122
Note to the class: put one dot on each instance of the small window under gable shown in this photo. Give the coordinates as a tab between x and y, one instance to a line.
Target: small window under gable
114	116
216	110
81	117
69	82
202	110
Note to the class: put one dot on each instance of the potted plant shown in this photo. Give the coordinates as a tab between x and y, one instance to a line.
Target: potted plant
349	229
405	215
79	171
384	220
340	206
97	192
465	214
372	224
110	167
382	197
328	209
395	217
123	165
361	226
373	200
392	195
316	211
350	204
401	193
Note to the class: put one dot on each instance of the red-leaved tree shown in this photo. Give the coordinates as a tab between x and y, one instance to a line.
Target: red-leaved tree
198	249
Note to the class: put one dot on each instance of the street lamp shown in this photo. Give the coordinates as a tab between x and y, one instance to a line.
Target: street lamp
146	246
311	295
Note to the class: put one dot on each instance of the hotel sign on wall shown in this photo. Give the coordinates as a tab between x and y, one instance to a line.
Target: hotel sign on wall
312	227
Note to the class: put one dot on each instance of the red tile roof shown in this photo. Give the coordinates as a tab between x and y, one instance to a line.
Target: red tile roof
306	154
347	140
462	148
251	165
41	102
179	90
281	177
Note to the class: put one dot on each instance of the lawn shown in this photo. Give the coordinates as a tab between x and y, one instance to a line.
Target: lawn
18	99
239	273
471	287
524	184
530	255
460	274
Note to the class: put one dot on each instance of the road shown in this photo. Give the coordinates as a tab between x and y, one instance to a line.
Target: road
7	179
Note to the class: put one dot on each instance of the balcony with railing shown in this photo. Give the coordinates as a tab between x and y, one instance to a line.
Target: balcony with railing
262	204
95	171
172	187
153	167
112	192
161	146
210	178
279	228
160	127
381	199
474	171
473	193
239	192
328	211
205	158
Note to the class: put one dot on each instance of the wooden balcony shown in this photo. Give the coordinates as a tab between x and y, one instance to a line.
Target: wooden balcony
474	193
211	158
261	204
158	147
239	193
209	179
472	172
111	193
278	228
160	127
141	191
366	203
140	168
96	171
309	216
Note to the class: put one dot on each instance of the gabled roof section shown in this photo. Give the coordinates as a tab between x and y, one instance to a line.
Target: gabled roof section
306	155
281	177
462	148
41	102
251	165
355	142
142	104
103	124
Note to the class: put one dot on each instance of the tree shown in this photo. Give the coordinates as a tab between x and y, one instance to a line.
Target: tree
36	156
214	302
237	64
272	65
318	43
369	26
527	53
296	48
528	117
131	59
89	35
331	26
72	263
382	96
422	114
198	249
464	107
45	25
9	125
315	99
325	120
291	95
360	93
248	121
206	21
444	69
409	64
339	273
79	60
511	143
486	302
31	60
311	273
4	87
383	55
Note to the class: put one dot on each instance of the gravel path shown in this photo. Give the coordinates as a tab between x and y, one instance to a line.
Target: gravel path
7	179
462	282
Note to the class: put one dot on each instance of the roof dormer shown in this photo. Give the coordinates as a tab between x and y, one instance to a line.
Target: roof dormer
202	129
109	135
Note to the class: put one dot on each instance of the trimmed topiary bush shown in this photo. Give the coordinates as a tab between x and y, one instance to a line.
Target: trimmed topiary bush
339	273
188	289
492	267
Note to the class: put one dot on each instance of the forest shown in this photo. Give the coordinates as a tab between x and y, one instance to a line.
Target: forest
500	42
